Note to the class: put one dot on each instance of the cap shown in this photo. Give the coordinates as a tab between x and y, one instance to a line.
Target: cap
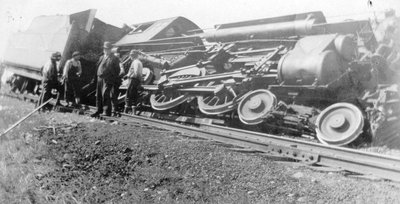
76	53
55	55
107	45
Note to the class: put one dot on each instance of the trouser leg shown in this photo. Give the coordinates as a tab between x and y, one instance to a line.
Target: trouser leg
128	96
135	92
68	91
46	93
132	92
114	97
77	93
72	92
107	91
99	95
39	102
59	88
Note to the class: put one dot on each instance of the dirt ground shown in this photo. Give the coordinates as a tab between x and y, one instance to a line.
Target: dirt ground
66	158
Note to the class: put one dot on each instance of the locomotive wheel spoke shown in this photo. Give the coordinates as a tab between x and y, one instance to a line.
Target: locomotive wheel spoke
214	104
162	101
171	99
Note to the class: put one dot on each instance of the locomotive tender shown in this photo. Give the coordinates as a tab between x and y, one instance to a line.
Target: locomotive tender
28	51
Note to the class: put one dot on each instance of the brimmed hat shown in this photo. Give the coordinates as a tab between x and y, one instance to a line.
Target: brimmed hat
55	55
76	53
107	45
134	52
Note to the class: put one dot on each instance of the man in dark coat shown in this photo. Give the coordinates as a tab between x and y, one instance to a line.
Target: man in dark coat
50	79
72	72
107	77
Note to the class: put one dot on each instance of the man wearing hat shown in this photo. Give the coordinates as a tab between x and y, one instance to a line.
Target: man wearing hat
134	82
50	78
71	74
107	78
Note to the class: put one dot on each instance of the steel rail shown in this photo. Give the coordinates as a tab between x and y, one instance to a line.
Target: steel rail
366	163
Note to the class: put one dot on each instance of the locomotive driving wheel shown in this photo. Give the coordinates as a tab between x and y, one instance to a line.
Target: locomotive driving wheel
221	102
169	99
255	105
161	101
339	124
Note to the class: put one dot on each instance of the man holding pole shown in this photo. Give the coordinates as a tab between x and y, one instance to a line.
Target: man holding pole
50	79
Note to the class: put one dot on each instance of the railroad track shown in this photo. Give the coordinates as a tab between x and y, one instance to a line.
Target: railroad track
365	163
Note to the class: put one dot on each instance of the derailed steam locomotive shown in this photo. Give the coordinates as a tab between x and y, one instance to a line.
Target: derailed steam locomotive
294	74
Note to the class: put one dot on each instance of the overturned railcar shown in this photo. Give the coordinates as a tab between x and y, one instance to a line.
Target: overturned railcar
295	74
29	50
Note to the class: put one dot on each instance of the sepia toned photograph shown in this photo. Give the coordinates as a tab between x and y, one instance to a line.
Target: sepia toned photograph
184	101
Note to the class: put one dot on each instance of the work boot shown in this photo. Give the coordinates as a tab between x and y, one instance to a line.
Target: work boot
127	109
96	114
107	114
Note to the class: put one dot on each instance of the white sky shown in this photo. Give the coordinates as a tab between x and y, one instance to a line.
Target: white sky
17	14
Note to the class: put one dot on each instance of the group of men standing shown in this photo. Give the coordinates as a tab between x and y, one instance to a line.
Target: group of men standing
108	79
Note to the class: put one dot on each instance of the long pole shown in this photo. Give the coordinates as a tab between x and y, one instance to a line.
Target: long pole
24	118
